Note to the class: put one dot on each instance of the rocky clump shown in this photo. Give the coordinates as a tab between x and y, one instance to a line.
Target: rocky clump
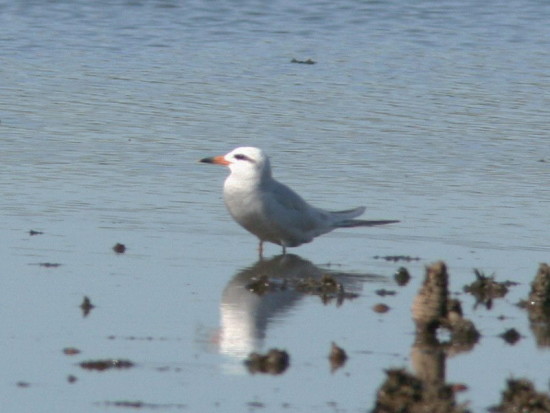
433	308
538	306
119	248
404	392
520	396
337	357
273	362
402	276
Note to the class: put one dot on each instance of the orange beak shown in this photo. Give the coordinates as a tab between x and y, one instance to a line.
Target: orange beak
218	160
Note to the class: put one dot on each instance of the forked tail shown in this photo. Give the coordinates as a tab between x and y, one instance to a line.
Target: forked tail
364	223
348	214
344	219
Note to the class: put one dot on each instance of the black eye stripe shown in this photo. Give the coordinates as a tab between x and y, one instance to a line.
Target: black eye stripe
242	157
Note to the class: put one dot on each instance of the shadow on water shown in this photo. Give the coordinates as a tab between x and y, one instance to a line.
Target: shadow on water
264	292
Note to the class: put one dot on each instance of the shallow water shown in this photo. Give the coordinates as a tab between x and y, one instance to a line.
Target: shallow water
435	114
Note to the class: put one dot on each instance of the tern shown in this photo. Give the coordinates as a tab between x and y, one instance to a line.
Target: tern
271	210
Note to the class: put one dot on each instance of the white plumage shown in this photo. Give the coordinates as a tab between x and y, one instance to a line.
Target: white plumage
271	210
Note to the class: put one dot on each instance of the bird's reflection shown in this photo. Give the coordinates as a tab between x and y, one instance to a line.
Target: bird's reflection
246	315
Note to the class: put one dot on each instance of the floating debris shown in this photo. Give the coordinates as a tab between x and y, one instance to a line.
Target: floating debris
101	365
71	379
143	405
86	306
32	232
520	396
126	403
511	336
383	292
395	258
337	357
140	338
304	62
119	248
71	351
23	384
49	264
485	288
402	276
381	308
274	362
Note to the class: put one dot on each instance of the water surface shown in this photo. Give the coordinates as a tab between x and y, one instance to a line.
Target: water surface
435	114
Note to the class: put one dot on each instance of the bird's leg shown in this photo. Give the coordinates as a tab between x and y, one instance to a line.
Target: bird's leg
284	250
261	249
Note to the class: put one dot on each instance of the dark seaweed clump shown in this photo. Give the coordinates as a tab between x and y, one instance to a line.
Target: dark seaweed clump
485	288
327	287
101	365
404	392
520	396
273	362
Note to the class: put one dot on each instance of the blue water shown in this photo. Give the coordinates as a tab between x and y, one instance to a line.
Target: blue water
434	113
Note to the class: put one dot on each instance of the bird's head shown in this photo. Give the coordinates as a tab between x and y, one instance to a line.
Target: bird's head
245	162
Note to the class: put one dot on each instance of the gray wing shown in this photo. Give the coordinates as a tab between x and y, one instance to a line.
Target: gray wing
291	211
287	198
